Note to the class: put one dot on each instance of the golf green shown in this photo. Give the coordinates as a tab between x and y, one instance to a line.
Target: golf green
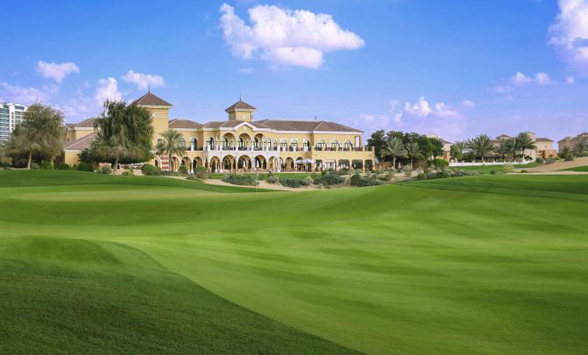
491	264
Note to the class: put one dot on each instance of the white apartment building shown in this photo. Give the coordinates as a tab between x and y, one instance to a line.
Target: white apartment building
10	116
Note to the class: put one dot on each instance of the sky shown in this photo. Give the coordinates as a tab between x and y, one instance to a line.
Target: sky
456	68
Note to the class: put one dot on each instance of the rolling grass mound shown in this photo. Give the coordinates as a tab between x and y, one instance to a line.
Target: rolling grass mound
490	264
76	296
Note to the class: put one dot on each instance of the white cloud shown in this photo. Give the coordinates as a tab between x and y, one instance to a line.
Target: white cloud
422	108
542	79
521	79
23	95
285	38
107	89
56	71
570	80
569	33
444	110
144	81
468	104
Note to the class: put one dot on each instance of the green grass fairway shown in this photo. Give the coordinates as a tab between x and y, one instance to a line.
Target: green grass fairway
578	168
490	264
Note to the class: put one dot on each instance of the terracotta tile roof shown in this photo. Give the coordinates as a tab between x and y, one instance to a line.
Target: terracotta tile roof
88	123
82	143
503	136
178	124
543	140
308	126
213	124
240	105
151	100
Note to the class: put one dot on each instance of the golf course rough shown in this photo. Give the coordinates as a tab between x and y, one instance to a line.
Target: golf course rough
491	264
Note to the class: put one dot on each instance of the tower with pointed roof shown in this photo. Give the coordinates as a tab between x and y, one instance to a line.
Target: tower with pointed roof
159	109
241	111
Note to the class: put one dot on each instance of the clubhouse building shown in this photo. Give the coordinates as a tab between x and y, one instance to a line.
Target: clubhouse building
240	143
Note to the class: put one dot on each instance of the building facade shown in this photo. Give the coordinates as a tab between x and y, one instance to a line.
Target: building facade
544	146
10	116
571	142
240	143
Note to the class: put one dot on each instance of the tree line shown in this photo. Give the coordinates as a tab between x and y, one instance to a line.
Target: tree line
405	148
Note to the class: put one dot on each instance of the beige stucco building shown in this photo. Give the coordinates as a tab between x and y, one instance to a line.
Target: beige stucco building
544	146
570	142
241	143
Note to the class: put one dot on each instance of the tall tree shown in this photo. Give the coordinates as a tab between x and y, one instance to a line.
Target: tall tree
377	141
394	148
481	145
457	150
437	148
413	151
171	144
124	134
524	142
39	134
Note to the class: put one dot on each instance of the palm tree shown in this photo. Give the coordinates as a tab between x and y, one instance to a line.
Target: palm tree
457	150
412	151
40	133
507	148
171	144
393	148
481	145
523	142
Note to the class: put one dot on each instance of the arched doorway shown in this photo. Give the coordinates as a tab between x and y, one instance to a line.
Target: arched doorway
214	164
357	164
244	141
289	164
259	142
260	162
229	141
175	164
228	163
369	165
196	163
187	162
244	163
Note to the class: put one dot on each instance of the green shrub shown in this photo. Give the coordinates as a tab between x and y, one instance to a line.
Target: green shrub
508	168
329	179
293	183
273	179
307	181
35	166
63	167
355	180
439	163
524	171
492	172
183	170
569	157
85	167
201	172
125	173
106	169
131	171
46	165
150	170
5	165
243	180
539	161
192	177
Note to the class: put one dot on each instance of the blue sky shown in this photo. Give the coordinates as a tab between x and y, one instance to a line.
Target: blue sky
456	68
